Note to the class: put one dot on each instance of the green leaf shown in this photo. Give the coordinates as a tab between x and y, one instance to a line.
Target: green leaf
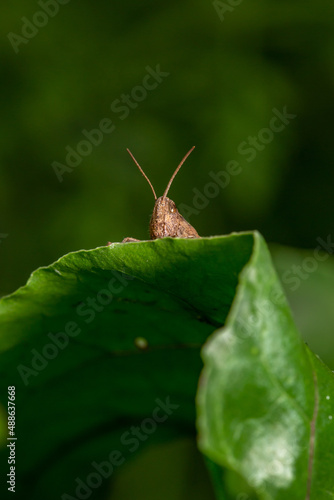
265	402
103	347
84	382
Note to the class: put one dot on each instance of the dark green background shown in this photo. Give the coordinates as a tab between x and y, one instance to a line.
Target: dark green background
225	77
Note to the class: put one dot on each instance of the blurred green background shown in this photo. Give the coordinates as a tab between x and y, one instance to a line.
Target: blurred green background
225	67
228	67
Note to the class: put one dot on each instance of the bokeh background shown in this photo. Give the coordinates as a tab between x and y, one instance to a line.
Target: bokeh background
226	66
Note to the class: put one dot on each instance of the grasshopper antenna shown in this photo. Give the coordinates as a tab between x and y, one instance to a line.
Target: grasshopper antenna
176	171
142	171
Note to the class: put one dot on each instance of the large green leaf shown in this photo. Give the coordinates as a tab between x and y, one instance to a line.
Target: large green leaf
103	347
72	343
265	402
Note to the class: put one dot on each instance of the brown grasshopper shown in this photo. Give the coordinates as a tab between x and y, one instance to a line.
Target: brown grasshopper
166	219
